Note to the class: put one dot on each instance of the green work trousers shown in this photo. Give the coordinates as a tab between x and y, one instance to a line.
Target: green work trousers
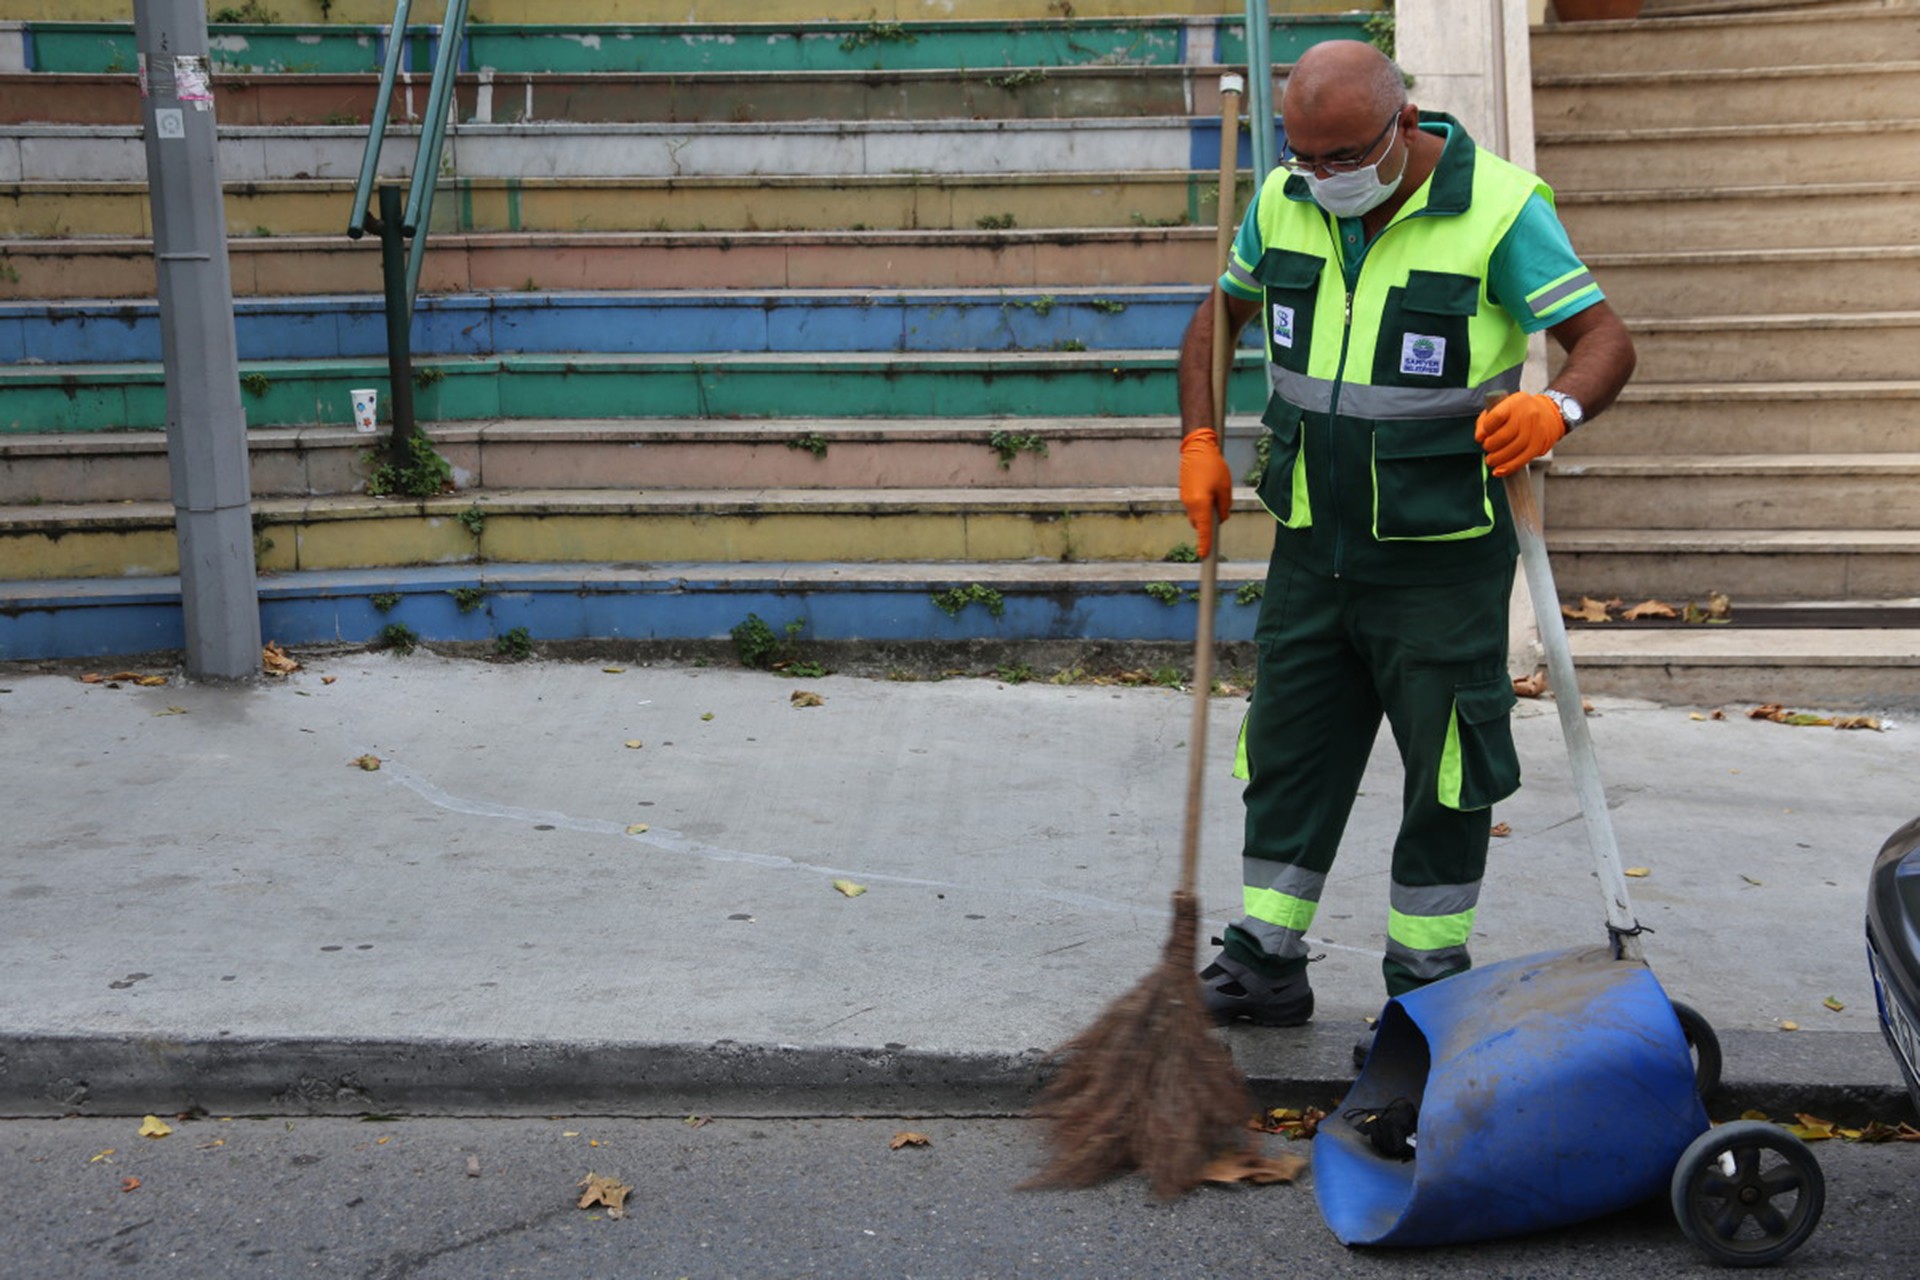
1334	656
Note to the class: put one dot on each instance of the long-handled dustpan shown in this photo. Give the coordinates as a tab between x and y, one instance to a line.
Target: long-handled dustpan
1549	1089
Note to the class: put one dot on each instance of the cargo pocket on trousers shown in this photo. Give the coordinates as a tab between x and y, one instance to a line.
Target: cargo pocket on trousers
1478	765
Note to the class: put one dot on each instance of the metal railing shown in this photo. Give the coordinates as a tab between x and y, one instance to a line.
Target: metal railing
396	225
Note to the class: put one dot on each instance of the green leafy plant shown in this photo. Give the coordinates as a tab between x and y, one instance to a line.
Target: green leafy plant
1016	79
474	518
995	222
426	375
384	601
1013	672
9	272
759	646
340	118
251	11
256	383
515	645
423	474
1069	344
1381	30
813	442
1262	454
952	601
1182	553
1250	593
1142	220
1110	306
806	669
1169	677
1165	592
397	637
261	542
877	32
1010	445
469	598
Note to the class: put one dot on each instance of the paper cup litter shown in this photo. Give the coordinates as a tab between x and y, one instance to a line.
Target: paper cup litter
366	402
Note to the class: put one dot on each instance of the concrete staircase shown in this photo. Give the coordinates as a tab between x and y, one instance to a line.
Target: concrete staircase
860	323
1744	183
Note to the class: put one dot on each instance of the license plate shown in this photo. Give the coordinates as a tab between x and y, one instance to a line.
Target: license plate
1898	1024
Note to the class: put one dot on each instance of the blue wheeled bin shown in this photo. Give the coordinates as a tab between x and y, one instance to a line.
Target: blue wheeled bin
1555	1088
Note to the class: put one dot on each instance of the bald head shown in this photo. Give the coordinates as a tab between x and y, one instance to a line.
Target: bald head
1337	77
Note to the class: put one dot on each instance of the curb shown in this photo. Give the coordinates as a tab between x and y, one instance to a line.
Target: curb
1848	1078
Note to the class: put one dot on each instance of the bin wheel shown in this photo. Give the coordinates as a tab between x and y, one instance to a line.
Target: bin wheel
1748	1193
1705	1046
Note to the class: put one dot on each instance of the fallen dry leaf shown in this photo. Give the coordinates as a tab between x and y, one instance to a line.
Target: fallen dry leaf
1718	714
367	762
274	660
125	675
849	888
129	1184
1787	1024
149	682
609	1192
1590	610
1250	1166
1298	1125
907	1138
804	698
92	677
154	1127
1639	873
613	671
1749	879
1810	1128
1833	1003
172	711
634	744
1501	829
328	679
102	1156
1695	715
1857	722
706	715
1530	686
636	828
698	1122
1650	609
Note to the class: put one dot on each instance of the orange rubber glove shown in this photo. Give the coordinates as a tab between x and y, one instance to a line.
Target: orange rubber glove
1517	430
1206	485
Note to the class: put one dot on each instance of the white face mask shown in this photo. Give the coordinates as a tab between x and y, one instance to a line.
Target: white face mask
1348	195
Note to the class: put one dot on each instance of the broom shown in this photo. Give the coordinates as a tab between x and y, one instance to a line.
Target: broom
1149	1085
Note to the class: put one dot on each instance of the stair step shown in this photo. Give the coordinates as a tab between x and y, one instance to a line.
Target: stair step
858	12
1864	278
1837	347
1808	564
964	202
691	526
636	97
1731	491
56	398
1704	219
1804	668
799	42
1723	155
1751	96
248	153
1832	36
653	321
638	454
1083	609
299	266
1755	417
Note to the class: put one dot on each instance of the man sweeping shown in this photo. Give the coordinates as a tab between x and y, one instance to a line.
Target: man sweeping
1398	269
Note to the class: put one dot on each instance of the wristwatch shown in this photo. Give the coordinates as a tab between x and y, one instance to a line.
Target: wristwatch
1571	412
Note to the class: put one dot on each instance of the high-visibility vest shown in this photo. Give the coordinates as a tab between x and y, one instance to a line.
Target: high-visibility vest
1373	471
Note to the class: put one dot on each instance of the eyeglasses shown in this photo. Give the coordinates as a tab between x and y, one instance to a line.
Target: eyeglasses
1292	162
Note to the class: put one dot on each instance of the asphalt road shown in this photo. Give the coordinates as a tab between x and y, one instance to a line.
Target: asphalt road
271	1197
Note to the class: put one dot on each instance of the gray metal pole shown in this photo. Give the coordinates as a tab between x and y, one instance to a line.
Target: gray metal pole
206	425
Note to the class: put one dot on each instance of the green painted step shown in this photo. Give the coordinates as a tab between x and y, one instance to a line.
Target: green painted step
35	399
625	526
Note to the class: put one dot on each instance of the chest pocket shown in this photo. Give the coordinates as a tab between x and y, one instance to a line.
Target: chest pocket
1290	284
1424	331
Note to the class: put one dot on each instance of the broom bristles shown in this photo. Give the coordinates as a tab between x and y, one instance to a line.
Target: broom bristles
1148	1085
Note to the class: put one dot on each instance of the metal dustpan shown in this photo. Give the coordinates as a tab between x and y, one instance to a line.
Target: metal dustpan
1550	1089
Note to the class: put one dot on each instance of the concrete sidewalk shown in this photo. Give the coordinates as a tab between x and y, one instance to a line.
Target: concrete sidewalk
575	889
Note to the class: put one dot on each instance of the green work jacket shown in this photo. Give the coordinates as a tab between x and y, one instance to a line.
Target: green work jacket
1378	368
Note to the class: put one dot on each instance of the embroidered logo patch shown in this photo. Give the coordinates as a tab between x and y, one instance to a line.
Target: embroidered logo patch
1281	328
1420	354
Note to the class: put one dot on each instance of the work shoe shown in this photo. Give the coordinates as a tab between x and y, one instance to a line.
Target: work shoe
1235	992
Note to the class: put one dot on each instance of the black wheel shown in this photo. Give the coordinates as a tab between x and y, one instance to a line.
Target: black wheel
1705	1047
1748	1193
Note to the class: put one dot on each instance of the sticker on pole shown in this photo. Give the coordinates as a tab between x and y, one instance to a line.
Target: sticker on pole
191	80
169	122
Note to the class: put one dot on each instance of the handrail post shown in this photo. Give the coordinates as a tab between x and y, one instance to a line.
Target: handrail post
393	271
